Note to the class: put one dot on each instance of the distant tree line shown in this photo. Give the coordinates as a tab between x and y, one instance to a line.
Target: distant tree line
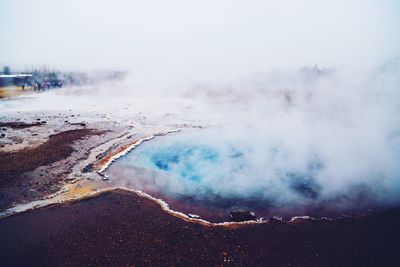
42	79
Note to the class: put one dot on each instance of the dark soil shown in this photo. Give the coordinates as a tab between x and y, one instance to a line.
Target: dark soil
121	229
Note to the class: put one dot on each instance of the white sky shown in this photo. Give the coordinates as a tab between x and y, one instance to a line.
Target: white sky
198	37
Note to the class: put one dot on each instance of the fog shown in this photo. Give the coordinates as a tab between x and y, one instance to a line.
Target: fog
309	138
209	39
304	88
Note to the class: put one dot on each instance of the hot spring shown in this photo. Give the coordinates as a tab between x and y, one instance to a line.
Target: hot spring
201	172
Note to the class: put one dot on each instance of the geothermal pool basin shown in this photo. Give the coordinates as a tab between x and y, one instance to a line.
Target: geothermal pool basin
198	172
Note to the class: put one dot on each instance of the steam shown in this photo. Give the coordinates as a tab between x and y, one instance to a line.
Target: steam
308	138
310	134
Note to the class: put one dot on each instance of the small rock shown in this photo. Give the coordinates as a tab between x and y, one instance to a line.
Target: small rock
104	177
193	216
79	123
242	215
88	168
276	219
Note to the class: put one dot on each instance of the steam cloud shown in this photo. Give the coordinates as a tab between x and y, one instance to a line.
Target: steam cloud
312	135
309	138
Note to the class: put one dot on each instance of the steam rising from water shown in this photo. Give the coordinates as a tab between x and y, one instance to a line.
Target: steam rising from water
309	138
280	132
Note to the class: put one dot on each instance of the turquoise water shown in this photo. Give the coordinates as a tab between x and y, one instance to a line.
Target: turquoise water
194	164
185	163
188	160
208	170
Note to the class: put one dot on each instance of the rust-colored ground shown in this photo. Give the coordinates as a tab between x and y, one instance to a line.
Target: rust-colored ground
121	229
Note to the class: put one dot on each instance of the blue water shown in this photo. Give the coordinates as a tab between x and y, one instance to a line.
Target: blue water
191	160
226	174
195	165
184	160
